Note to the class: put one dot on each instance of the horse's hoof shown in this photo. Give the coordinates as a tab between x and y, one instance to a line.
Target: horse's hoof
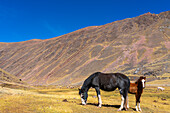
119	109
83	103
137	109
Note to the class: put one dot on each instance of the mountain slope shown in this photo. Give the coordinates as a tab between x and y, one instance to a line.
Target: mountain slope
122	46
7	77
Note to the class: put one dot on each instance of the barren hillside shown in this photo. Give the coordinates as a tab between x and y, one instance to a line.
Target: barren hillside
141	43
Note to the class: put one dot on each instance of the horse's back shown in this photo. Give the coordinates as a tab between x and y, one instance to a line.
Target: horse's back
114	76
123	80
121	76
111	81
133	88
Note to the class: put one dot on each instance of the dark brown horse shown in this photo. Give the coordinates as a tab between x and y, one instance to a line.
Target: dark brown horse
106	82
137	89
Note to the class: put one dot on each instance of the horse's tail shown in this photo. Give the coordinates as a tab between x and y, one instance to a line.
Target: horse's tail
126	102
128	84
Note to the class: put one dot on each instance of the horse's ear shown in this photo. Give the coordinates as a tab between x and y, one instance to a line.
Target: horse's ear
143	77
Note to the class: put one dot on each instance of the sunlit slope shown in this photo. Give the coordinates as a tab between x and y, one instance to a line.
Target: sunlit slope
121	46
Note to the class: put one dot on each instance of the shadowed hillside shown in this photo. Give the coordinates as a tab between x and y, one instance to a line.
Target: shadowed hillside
140	43
11	81
7	77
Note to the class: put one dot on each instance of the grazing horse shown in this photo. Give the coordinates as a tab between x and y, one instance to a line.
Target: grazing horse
137	89
106	82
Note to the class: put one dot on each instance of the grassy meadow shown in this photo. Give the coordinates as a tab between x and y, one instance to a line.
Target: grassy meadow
60	100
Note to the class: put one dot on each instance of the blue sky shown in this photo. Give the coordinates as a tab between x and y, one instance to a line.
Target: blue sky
22	20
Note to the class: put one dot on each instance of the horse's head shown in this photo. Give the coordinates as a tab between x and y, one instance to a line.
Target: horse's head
83	96
143	80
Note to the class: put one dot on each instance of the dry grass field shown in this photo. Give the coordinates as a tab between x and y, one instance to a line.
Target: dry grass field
59	100
133	46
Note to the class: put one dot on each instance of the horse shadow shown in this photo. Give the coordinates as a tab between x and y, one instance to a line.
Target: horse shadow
107	105
133	109
104	105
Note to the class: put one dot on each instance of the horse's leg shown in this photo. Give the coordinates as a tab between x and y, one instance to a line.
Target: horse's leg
122	101
123	94
136	102
139	103
127	101
99	97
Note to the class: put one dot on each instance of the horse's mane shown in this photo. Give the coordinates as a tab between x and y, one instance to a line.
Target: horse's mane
138	81
88	80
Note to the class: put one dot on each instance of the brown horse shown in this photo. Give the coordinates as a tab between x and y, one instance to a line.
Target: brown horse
137	89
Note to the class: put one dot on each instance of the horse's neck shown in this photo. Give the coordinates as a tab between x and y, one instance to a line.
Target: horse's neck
87	84
140	86
85	87
138	82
